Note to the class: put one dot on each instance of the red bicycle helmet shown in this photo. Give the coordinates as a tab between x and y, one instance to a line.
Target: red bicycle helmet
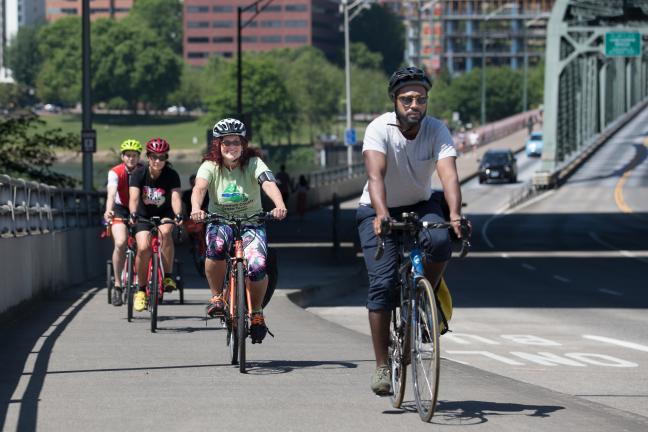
157	145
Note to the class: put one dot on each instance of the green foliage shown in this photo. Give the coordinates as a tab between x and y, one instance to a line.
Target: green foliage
164	17
369	91
382	32
313	85
536	86
23	57
59	44
360	56
28	151
189	93
15	95
264	97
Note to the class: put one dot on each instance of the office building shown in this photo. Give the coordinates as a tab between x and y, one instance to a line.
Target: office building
56	9
210	27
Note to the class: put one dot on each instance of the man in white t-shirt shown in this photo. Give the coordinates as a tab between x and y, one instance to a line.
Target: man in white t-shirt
401	151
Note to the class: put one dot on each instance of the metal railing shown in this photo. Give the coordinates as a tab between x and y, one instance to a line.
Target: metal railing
333	175
29	208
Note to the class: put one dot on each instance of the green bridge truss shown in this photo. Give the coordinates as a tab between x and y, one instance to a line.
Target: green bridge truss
596	72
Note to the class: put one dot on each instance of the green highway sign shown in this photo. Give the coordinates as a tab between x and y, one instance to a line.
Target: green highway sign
622	44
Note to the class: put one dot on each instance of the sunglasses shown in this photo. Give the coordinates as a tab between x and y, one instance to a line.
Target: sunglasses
408	100
157	157
231	143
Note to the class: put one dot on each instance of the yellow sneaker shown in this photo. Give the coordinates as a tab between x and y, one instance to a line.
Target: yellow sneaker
139	301
169	284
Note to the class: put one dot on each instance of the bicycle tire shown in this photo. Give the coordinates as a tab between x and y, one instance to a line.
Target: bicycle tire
232	335
109	280
198	259
398	351
127	286
425	350
154	293
241	313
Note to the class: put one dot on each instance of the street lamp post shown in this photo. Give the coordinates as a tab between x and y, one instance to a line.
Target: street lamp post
88	136
239	64
345	8
483	65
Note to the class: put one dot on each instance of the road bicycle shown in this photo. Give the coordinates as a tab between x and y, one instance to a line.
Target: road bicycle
236	291
416	321
154	288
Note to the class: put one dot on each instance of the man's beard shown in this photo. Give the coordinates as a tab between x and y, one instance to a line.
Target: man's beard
407	123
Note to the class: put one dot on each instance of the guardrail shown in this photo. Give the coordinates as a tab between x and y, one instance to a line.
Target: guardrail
29	208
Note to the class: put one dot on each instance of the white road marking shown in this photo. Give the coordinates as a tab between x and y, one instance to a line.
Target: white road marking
611	292
561	278
528	266
618	342
634	254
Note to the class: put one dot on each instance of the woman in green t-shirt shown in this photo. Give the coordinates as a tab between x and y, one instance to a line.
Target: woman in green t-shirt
232	173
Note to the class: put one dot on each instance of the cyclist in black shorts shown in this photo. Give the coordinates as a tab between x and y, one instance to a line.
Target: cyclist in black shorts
117	208
154	191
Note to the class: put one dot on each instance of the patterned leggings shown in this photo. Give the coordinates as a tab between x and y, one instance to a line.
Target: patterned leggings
255	247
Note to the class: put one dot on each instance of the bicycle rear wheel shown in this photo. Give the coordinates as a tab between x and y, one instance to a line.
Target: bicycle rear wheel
154	290
426	352
399	346
241	314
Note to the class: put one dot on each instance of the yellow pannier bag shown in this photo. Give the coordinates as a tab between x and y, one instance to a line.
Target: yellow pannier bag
444	301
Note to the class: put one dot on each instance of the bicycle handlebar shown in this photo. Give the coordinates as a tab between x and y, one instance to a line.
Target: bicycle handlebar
231	219
411	223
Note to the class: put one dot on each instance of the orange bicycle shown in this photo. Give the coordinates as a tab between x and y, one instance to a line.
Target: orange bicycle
236	292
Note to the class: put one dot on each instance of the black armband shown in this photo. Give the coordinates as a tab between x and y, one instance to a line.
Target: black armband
266	176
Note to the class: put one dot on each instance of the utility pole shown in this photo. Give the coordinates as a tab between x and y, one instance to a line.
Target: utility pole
88	135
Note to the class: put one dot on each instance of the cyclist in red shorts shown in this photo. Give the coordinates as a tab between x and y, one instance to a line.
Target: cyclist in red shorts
117	208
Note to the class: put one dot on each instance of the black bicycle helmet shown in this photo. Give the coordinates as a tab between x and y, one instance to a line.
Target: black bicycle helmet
408	76
229	126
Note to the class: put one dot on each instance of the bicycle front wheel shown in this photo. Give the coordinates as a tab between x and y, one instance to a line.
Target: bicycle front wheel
426	352
127	285
398	353
241	313
154	289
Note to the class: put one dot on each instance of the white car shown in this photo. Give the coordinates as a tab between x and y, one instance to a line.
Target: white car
176	109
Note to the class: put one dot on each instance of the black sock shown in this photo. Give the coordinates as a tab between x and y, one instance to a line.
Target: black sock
168	275
143	288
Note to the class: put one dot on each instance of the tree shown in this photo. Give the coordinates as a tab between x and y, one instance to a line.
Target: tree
23	57
264	97
369	91
314	86
131	63
360	56
28	151
164	17
389	40
190	92
59	44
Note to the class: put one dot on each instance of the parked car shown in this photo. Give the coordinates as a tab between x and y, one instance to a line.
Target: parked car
499	165
173	109
534	144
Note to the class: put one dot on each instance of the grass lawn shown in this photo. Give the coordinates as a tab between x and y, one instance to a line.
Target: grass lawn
180	131
113	129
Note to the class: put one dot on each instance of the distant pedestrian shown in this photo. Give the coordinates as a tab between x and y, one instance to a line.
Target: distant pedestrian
530	124
302	192
284	182
473	139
